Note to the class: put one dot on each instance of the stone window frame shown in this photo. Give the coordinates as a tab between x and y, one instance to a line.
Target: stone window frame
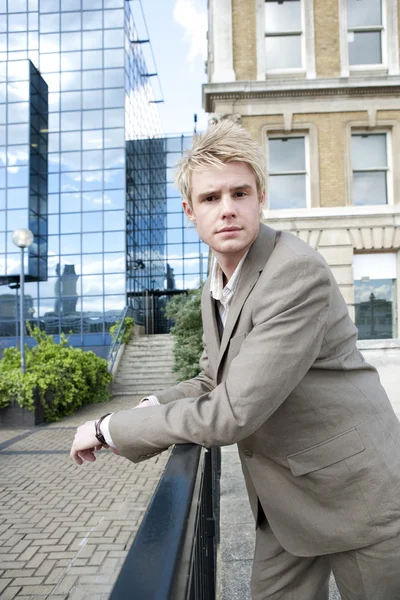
308	70
310	131
391	129
390	46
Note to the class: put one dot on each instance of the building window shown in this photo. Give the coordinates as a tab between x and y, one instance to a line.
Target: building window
283	35
370	168
375	295
287	172
365	32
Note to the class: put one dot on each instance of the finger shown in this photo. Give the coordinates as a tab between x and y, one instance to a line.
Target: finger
77	459
87	455
115	451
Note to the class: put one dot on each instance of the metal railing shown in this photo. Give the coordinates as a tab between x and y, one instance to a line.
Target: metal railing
174	554
116	345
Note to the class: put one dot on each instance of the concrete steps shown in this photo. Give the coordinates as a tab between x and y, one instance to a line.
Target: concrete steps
146	366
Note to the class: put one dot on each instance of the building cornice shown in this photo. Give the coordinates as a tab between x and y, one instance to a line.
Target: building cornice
299	88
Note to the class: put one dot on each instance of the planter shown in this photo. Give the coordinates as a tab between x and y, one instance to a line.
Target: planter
16	417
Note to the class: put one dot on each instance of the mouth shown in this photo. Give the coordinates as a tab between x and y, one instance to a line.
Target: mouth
229	229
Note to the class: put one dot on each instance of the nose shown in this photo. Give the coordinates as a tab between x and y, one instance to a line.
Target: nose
228	207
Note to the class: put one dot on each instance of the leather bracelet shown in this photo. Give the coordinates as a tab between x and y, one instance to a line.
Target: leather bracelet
98	433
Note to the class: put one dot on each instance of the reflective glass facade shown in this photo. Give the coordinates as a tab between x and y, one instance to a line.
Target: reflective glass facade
109	227
99	99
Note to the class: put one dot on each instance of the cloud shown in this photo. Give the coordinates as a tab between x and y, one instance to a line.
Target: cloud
192	16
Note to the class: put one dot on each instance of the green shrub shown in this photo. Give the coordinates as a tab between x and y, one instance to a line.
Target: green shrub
128	323
185	311
66	377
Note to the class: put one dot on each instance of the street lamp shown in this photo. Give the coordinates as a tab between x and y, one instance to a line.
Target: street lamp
23	238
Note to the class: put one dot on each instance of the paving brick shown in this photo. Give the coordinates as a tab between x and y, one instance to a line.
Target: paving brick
97	558
36	561
19	573
45	568
66	584
39	590
4	583
10	592
55	576
28	580
83	570
28	553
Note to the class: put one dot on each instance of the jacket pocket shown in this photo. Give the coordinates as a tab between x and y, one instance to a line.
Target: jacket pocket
326	453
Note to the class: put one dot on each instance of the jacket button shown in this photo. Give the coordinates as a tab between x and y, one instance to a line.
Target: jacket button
248	453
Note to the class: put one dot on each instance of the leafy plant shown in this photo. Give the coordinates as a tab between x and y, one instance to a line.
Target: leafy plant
124	336
66	377
185	311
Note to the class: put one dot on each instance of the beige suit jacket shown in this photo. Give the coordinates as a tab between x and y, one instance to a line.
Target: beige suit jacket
317	436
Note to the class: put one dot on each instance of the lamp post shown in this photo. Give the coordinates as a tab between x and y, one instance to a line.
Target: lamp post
23	238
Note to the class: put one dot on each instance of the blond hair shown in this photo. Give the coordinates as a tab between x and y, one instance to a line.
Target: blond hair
222	142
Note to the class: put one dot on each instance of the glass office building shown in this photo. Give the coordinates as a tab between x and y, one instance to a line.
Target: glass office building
106	204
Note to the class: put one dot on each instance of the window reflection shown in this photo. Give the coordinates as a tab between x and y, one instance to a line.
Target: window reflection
92	221
71	21
114	138
49	23
70	141
92	159
114	263
92	19
92	242
115	220
70	41
17	41
114	199
70	5
92	263
92	200
92	40
70	244
114	242
70	202
114	97
71	61
92	79
113	38
71	101
114	78
92	99
114	178
70	120
49	42
91	59
92	180
114	158
113	58
17	22
92	119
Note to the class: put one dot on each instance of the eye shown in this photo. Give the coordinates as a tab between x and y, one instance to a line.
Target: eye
209	199
240	194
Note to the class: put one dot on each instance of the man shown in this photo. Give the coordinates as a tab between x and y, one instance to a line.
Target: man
282	377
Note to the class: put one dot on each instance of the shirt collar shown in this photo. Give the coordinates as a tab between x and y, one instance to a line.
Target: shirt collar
217	289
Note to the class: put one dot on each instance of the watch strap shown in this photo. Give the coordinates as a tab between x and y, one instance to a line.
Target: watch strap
98	433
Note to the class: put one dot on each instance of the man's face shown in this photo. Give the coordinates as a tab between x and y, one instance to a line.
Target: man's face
225	208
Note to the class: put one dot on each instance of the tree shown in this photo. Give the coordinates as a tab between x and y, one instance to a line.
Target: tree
185	311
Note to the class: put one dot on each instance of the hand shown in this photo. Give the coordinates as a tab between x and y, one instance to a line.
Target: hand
85	444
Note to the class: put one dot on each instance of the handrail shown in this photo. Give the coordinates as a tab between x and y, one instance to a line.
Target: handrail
173	556
114	348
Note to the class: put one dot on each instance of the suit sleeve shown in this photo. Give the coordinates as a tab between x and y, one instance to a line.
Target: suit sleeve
289	320
202	384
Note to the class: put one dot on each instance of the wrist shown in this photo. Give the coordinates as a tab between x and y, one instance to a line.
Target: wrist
97	427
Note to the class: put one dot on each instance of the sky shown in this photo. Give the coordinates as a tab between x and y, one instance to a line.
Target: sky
177	31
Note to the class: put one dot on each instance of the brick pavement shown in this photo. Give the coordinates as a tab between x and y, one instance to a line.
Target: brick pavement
66	529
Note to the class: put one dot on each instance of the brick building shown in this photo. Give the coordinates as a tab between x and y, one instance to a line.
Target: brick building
317	83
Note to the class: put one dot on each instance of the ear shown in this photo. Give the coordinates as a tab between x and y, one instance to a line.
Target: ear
262	201
188	211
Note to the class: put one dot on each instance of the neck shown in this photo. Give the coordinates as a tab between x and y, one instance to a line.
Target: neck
228	263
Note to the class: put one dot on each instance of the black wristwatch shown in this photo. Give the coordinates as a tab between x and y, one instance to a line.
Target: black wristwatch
98	433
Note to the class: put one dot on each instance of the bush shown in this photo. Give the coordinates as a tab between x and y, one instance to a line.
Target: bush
66	377
128	324
185	311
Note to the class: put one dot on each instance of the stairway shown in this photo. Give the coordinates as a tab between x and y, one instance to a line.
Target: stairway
146	366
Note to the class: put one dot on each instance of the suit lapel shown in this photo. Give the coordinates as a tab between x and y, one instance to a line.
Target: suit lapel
255	262
210	323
